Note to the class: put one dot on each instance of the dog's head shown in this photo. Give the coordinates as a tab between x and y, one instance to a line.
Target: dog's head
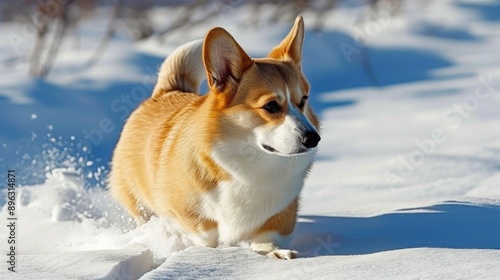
266	99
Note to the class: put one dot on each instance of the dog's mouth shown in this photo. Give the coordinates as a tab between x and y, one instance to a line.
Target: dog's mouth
276	152
269	148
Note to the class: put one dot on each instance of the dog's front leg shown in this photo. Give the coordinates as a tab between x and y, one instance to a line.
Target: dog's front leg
271	235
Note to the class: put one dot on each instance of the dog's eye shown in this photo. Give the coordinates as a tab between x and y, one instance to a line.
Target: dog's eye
303	101
272	107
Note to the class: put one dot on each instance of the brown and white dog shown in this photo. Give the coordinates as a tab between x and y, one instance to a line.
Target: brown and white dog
227	166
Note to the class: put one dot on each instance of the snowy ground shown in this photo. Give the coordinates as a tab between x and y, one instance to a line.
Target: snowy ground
406	184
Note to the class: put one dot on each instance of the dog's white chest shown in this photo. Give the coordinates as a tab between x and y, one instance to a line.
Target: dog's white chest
240	208
260	188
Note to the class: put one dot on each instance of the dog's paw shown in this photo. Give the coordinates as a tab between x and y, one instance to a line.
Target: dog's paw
273	251
283	254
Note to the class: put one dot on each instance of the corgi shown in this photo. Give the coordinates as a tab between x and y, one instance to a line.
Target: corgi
228	166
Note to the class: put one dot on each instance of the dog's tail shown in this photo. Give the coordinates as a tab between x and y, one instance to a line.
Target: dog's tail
182	70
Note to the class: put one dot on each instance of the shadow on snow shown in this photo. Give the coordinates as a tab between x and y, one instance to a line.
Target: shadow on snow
452	224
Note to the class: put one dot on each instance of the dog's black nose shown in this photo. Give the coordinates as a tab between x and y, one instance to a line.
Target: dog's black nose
310	139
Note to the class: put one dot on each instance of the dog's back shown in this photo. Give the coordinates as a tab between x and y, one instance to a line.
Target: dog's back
136	154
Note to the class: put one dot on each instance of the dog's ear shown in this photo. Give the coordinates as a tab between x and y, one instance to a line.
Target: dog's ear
225	61
291	46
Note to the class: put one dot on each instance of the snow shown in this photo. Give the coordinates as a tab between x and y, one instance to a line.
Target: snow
424	263
406	183
104	264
